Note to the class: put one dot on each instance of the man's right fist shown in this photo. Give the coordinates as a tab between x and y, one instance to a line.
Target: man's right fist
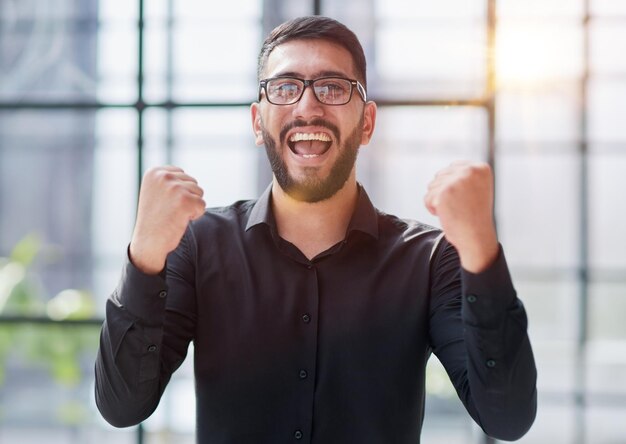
168	200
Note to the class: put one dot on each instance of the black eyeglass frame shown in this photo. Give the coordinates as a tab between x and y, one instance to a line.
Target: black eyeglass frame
354	84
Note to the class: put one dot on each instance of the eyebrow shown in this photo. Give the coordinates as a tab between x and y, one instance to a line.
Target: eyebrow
327	73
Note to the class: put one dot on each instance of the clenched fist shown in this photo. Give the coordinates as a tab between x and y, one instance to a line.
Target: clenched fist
168	200
461	196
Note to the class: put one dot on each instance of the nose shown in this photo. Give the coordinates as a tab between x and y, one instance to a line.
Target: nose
308	106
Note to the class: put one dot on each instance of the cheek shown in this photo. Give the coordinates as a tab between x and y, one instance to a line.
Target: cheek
271	121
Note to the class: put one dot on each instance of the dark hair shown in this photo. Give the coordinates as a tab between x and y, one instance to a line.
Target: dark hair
315	27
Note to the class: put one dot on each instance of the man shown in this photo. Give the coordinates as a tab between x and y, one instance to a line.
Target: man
312	313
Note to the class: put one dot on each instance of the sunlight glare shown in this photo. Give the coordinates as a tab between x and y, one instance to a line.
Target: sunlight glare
532	54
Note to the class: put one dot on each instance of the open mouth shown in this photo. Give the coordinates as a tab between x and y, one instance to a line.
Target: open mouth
309	145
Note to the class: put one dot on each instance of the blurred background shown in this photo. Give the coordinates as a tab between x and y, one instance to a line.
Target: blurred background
93	92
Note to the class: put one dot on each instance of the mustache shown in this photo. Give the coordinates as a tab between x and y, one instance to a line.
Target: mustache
315	122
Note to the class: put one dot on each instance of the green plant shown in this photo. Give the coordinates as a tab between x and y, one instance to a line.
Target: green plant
41	339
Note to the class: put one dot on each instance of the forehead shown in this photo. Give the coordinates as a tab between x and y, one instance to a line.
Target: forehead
309	59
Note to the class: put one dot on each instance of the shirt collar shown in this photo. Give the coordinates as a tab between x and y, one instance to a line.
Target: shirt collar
261	212
364	218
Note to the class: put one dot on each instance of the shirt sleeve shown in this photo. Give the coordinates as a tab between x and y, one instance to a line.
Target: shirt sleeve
143	340
478	330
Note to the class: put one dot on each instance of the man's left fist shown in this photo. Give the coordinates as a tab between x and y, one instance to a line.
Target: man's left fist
461	196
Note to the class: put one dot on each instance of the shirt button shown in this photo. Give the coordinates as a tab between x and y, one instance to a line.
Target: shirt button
310	267
303	374
152	348
297	434
471	298
162	294
306	318
490	363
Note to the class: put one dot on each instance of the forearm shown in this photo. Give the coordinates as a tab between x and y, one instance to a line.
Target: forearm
127	382
501	377
478	331
129	378
501	371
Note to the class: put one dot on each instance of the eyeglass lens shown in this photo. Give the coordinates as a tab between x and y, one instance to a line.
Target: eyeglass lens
334	91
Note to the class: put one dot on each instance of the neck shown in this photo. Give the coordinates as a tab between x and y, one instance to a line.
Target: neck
314	227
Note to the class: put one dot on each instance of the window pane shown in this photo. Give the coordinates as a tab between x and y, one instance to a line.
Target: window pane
120	10
606	111
214	145
411	144
529	117
158	66
606	423
234	9
609	8
537	204
423	9
48	52
114	197
530	54
206	52
540	8
443	60
420	50
73	192
215	61
117	50
46	190
606	322
552	306
117	61
47	386
608	38
607	210
555	423
551	301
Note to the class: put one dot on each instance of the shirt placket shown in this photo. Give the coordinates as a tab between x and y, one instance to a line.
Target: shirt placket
307	319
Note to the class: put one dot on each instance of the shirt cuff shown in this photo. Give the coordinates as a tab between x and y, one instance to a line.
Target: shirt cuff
142	295
488	295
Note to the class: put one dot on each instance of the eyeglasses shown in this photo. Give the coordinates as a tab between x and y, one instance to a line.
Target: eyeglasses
327	90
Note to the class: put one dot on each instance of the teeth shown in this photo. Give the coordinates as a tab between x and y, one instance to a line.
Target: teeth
297	137
309	156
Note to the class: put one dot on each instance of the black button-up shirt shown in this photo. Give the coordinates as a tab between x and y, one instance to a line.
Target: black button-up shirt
329	350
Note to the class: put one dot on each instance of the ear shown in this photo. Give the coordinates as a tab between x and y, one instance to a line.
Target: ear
255	113
369	122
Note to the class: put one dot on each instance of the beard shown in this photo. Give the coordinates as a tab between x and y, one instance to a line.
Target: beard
312	188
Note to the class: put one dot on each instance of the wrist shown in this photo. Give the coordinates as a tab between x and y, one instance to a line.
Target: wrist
477	258
146	262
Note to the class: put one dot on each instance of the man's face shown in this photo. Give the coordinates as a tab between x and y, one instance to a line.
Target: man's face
312	147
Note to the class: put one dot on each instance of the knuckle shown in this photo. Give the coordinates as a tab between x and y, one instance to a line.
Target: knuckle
173	189
482	168
152	173
176	186
167	176
435	202
451	188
